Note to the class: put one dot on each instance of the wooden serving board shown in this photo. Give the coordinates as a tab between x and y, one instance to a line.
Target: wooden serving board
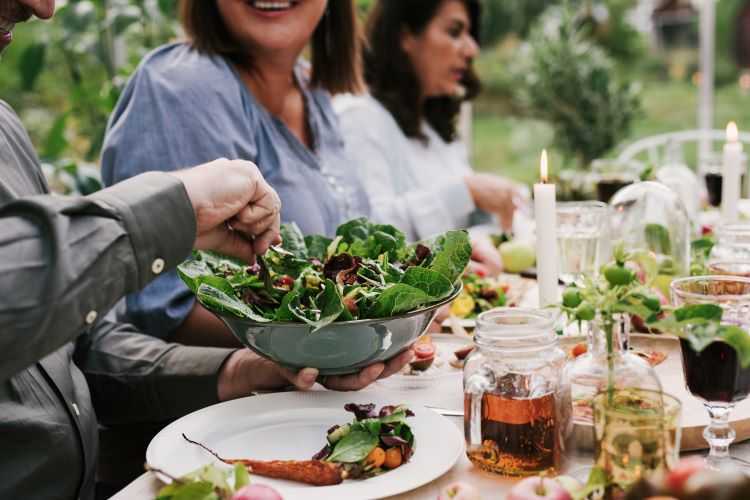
694	415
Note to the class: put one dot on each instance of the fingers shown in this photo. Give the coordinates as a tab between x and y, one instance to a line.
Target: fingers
356	381
302	380
231	243
263	241
395	364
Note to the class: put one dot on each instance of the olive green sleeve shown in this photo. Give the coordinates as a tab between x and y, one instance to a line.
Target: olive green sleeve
65	261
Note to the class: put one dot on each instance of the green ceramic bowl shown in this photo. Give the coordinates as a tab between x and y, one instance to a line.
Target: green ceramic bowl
339	348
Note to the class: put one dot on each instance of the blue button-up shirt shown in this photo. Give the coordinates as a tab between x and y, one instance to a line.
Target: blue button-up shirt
182	108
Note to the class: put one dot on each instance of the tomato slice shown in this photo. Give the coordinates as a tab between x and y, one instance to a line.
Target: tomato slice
423	351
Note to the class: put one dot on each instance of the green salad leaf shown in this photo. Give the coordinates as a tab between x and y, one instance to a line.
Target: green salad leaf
210	482
353	447
452	252
350	444
366	271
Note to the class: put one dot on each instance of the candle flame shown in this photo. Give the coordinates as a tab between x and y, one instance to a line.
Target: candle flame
543	167
732	133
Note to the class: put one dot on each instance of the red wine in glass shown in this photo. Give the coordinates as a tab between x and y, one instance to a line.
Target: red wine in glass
715	373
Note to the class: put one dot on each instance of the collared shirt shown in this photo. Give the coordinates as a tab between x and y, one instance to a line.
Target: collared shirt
416	186
182	108
64	261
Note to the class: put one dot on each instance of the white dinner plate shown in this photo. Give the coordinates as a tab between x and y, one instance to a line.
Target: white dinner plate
292	426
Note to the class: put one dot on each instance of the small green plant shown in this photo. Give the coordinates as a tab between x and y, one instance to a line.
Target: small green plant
625	286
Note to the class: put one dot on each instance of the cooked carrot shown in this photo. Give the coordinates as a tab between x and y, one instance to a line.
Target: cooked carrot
393	458
315	472
376	457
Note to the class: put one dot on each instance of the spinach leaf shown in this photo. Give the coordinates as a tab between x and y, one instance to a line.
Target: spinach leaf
317	246
371	425
218	300
284	313
219	263
331	305
284	263
245	280
293	240
192	271
328	301
354	447
452	252
356	229
398	298
365	239
431	282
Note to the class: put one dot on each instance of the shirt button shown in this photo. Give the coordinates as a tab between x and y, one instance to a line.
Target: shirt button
91	317
157	266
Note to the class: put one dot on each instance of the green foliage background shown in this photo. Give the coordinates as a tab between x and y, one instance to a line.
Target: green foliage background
64	76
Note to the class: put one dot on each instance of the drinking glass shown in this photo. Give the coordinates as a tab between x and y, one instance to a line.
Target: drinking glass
715	374
637	433
581	227
730	268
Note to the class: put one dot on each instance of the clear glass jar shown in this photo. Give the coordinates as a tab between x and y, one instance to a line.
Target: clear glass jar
594	371
650	216
512	420
732	243
679	178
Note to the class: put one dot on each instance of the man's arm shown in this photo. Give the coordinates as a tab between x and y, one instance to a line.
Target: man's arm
137	378
65	261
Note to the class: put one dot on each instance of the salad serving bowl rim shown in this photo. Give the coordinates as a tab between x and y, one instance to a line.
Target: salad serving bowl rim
457	287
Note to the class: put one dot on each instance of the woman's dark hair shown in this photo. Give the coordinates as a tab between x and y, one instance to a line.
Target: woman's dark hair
336	42
391	76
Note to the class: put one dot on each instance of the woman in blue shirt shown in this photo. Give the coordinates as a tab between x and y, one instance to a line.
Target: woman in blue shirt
237	89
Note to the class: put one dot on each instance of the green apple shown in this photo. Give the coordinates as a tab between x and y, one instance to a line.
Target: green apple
517	256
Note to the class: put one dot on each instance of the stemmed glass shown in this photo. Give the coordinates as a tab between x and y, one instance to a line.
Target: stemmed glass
580	234
715	374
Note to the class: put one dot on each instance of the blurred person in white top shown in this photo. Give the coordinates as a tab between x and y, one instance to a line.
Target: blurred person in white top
403	137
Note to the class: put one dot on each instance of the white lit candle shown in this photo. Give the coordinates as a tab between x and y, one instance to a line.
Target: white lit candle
545	213
731	175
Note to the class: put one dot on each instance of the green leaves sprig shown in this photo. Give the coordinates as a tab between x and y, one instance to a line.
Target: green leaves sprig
618	290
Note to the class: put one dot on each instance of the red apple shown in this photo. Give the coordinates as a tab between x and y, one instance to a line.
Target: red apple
459	491
257	492
535	488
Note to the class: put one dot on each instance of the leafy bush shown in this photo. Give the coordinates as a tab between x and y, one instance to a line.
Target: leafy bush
565	79
70	70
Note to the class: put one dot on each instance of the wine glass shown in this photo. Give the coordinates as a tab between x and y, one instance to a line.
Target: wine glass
581	227
715	374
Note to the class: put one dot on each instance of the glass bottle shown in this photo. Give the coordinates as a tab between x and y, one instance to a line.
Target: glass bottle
594	371
512	420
